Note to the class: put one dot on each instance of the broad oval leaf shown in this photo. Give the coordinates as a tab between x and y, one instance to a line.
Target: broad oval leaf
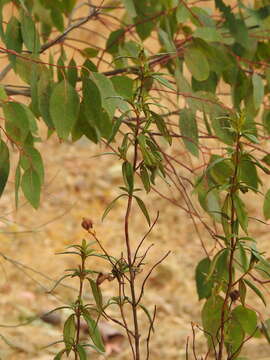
29	33
189	130
64	108
204	287
19	120
246	317
31	186
197	63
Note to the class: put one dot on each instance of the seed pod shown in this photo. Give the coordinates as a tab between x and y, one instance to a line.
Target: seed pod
87	224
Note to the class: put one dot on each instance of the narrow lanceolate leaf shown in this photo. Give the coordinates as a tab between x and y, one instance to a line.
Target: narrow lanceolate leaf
144	209
266	205
197	63
96	293
29	33
31	187
258	90
145	178
226	215
64	108
69	333
256	290
81	352
189	130
241	213
161	125
4	165
93	331
59	355
128	175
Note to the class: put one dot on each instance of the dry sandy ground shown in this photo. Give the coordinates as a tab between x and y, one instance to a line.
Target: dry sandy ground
79	185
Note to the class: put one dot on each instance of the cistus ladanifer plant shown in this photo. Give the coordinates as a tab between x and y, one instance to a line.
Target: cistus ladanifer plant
178	91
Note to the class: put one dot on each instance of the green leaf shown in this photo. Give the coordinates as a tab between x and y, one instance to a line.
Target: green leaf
256	290
81	352
123	86
72	73
116	125
64	108
248	172
17	184
44	93
204	287
4	165
197	63
211	317
145	178
92	102
115	38
226	216
93	330
161	125
266	205
163	81
189	130
128	176
29	33
31	158
13	38
110	206
89	52
110	99
266	120
96	293
3	94
234	336
31	187
258	90
69	333
208	34
246	317
57	19
241	213
242	292
144	209
182	13
59	355
130	7
19	120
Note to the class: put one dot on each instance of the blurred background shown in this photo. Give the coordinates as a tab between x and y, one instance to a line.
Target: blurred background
81	183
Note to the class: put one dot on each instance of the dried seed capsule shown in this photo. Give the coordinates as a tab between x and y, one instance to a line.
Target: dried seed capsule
87	224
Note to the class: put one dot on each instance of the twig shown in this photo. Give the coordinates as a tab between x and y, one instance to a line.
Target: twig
149	273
